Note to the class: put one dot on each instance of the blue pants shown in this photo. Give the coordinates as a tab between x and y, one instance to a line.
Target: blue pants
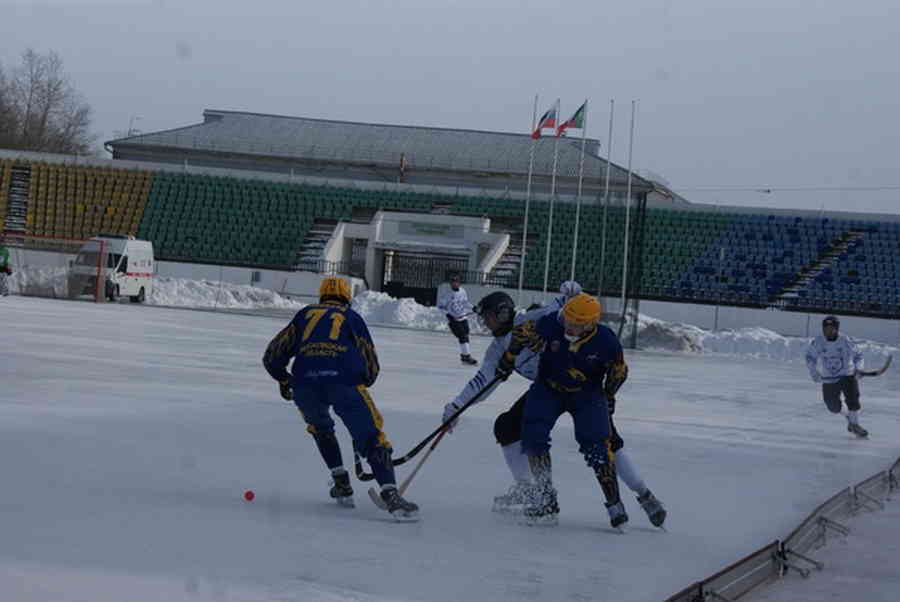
356	409
590	415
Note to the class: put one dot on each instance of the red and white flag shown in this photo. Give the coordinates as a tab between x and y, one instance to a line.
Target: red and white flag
547	120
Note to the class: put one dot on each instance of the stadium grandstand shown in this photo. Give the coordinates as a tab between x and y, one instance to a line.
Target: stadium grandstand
286	193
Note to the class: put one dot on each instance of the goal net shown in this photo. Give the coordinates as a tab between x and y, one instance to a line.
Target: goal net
57	267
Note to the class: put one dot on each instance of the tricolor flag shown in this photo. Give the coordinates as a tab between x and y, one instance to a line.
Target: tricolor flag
548	120
576	121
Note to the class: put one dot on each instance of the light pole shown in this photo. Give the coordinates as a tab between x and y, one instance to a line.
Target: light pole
720	277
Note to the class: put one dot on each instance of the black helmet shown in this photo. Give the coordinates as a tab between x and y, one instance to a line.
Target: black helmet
831	321
502	307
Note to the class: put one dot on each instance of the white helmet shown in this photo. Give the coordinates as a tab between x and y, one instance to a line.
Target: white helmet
570	288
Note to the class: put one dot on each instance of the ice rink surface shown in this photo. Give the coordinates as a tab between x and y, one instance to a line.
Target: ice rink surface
128	435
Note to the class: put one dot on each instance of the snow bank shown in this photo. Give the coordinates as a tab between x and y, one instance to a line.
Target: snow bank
38	281
754	342
182	292
381	309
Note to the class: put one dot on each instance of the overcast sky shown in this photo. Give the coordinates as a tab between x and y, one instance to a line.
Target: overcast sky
765	94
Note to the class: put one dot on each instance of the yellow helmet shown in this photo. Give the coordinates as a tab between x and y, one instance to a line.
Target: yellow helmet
335	287
582	309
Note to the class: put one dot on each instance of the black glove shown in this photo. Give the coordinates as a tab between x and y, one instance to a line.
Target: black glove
284	387
505	366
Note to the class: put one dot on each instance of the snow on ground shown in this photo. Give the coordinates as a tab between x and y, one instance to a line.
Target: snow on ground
129	433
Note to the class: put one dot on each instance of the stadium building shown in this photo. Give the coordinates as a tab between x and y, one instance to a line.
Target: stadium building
400	206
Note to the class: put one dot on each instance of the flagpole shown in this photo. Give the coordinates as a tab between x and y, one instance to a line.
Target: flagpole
552	197
578	195
527	202
627	210
612	107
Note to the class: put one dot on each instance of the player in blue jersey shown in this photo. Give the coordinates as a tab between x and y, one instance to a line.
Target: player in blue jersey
334	362
579	360
497	311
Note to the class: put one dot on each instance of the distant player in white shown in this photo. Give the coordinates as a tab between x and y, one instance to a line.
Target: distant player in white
497	311
835	361
455	303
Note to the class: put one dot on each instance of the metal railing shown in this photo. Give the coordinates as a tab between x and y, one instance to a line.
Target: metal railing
353	268
792	553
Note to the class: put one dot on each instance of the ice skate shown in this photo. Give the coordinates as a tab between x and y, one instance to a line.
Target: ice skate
513	500
341	490
617	515
541	508
857	430
653	507
468	359
399	508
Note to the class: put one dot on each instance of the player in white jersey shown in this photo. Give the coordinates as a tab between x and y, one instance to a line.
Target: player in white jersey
497	310
835	361
455	303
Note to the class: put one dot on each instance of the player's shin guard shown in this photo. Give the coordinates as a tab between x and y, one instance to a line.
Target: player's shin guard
601	461
382	467
329	448
542	505
542	470
609	483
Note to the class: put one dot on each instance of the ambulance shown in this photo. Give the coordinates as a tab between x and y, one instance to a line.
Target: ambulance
128	270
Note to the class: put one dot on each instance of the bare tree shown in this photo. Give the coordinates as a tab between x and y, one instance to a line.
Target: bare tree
44	111
8	123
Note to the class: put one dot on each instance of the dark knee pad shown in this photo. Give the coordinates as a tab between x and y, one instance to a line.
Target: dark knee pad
382	464
370	446
328	446
460	330
508	428
597	456
379	454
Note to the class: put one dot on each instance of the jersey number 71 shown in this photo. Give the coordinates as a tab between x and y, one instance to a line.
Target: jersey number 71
314	316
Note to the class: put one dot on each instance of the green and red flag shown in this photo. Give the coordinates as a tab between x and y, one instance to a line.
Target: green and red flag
575	121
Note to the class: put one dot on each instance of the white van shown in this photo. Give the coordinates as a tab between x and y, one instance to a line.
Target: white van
128	271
